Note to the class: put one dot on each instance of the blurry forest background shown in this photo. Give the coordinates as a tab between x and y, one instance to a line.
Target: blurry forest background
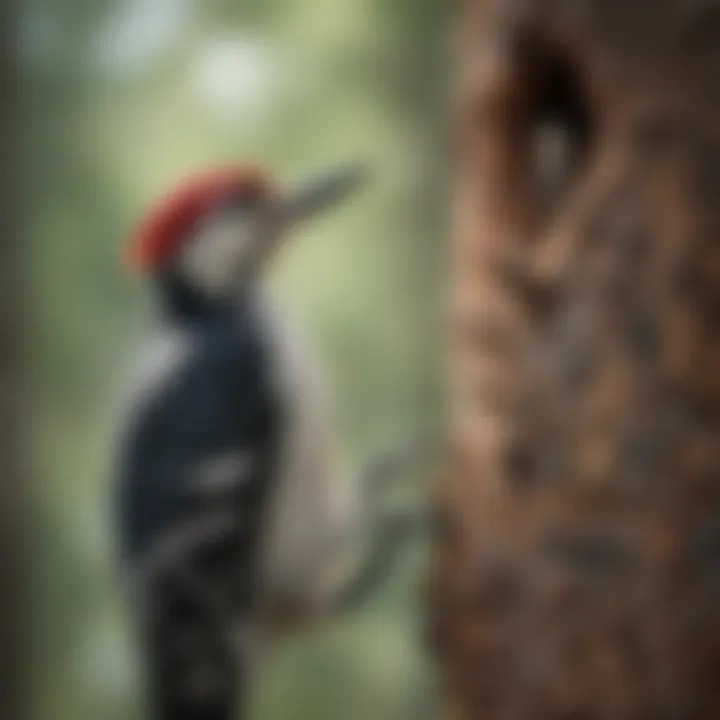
120	97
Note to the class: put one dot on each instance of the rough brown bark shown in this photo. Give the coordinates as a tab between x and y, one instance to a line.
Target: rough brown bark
578	571
12	636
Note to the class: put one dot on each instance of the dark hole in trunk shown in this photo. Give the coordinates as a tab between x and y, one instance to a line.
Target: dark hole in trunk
558	127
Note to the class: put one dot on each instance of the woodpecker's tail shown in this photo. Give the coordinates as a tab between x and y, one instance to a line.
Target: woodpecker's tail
190	608
194	671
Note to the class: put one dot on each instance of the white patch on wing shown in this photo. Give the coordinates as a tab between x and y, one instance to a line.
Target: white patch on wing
312	536
218	475
177	546
157	364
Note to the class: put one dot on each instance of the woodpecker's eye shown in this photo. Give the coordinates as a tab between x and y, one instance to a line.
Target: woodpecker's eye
238	204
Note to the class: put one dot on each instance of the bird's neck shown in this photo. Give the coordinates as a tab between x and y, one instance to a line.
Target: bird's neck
182	303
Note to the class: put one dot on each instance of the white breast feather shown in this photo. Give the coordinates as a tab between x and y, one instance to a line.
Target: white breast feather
313	526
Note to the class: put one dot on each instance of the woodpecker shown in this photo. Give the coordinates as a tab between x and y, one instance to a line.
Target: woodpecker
237	514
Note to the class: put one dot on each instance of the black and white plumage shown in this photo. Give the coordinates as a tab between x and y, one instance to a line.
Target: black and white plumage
234	506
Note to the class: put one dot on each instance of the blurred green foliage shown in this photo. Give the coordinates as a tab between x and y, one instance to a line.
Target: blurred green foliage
120	97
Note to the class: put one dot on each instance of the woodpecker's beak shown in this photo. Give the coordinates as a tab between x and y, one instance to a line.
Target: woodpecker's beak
321	193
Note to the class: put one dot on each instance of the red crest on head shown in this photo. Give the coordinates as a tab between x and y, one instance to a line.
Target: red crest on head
162	230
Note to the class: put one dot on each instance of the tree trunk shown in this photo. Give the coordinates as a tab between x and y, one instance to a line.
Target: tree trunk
577	573
12	637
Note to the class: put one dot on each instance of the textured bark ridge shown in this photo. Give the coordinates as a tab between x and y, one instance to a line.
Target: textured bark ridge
577	575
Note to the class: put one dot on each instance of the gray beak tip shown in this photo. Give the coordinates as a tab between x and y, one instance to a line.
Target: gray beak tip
326	190
353	176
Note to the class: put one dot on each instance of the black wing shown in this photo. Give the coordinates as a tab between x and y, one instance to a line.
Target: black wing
196	468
